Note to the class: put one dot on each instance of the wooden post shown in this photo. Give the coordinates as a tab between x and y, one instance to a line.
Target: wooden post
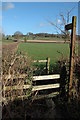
47	65
72	51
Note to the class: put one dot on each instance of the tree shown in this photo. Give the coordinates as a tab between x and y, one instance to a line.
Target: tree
18	34
62	24
29	33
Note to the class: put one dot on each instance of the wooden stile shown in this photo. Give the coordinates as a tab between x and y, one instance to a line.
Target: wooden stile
47	61
36	87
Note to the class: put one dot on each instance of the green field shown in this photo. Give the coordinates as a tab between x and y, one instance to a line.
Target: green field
40	51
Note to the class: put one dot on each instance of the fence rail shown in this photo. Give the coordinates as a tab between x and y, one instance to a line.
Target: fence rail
46	77
44	87
40	61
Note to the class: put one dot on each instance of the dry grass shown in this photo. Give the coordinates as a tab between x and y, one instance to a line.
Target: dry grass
16	70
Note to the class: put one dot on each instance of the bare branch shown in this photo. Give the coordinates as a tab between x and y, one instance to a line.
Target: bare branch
63	19
68	14
56	26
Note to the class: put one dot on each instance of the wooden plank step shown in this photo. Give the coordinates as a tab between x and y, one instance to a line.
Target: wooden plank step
51	95
44	87
46	77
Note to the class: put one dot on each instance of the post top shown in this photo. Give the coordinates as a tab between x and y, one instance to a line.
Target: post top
74	19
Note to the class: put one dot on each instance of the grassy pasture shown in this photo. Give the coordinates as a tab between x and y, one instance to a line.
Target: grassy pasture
40	51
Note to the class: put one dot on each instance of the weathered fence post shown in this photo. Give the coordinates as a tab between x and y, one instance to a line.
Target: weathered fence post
48	65
72	52
71	26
